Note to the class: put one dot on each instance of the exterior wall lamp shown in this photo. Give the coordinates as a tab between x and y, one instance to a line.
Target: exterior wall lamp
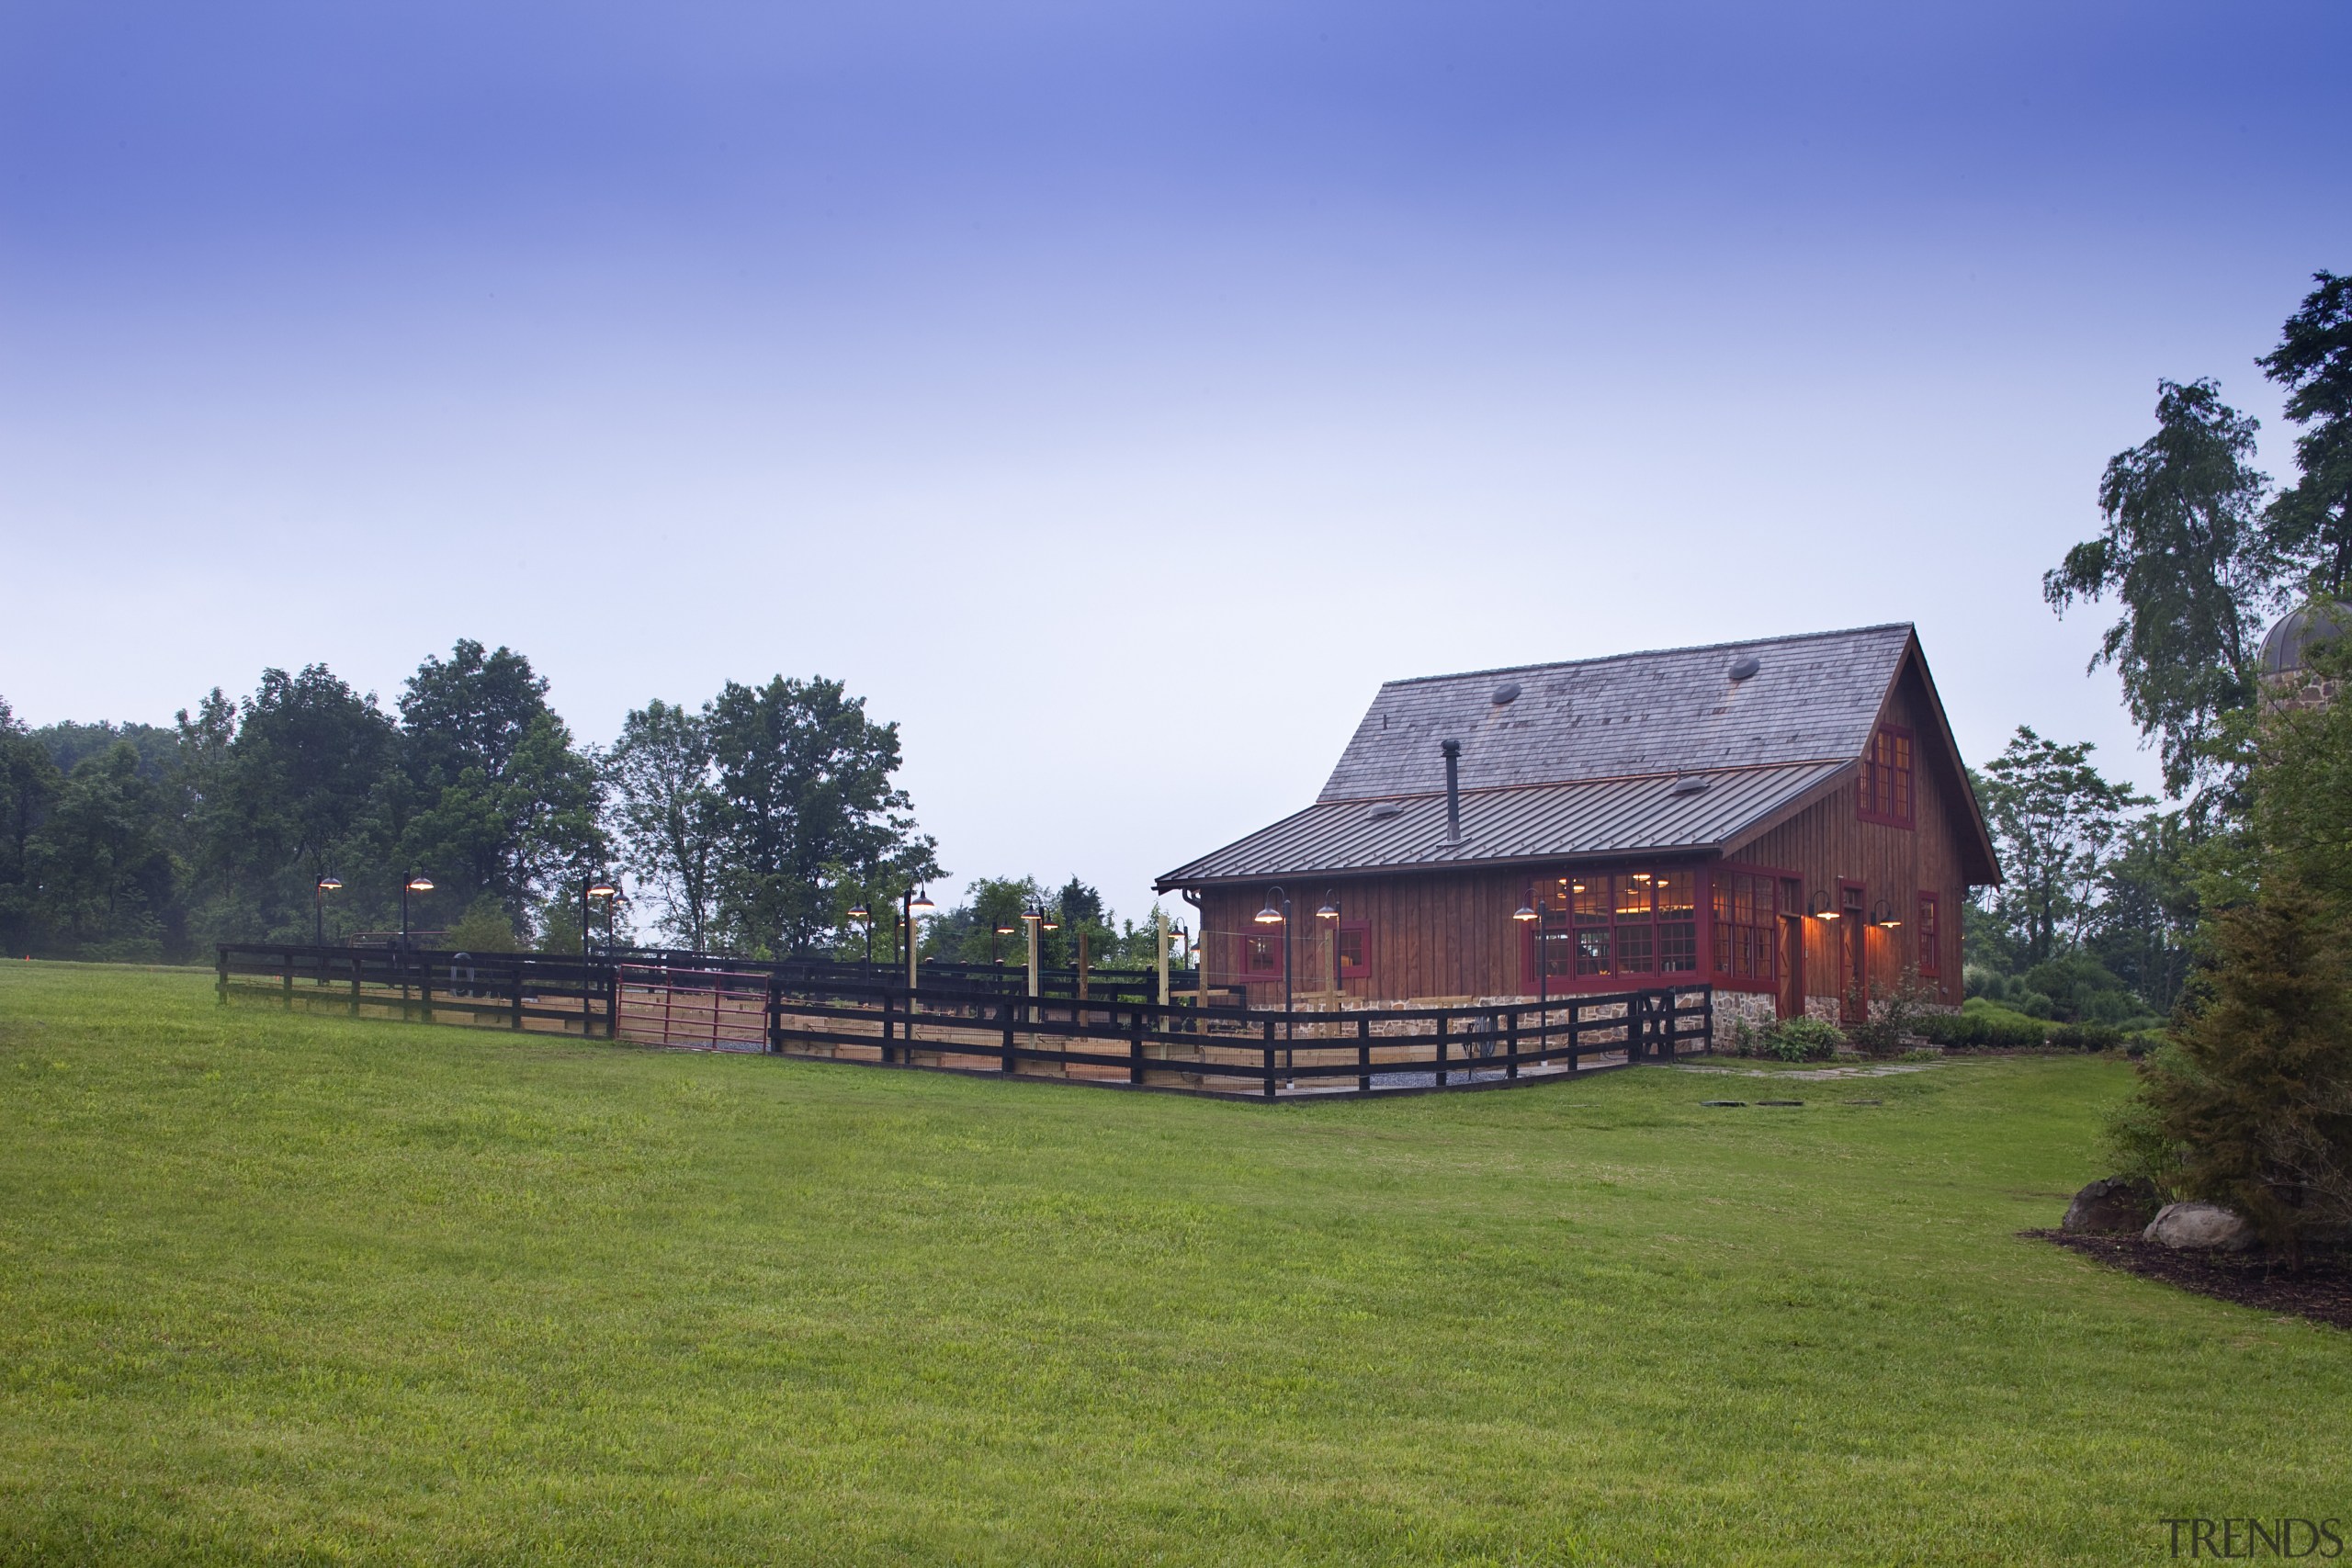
326	884
1883	916
1821	906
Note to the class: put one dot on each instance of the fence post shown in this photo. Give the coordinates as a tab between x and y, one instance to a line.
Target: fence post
515	993
355	982
887	1010
612	1002
424	991
1135	1047
1443	1020
1004	1059
1511	1067
1269	1058
1363	1055
775	1013
286	957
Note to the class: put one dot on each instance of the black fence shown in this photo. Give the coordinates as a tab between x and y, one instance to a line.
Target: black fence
710	1004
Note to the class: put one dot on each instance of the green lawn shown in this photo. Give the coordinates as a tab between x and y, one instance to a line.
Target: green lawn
293	1288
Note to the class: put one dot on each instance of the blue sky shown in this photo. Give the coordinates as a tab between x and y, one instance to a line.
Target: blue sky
1115	395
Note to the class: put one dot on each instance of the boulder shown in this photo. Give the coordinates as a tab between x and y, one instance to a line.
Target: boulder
2200	1227
2111	1205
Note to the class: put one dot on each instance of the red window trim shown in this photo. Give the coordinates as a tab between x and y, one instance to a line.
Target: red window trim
1273	934
1723	979
1930	954
1563	928
1356	971
1863	791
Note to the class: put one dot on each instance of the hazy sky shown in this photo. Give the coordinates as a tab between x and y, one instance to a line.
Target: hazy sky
1114	394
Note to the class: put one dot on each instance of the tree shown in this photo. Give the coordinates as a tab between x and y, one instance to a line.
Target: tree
102	875
29	781
672	819
2185	552
502	801
812	819
2054	820
2253	1106
2311	520
2148	907
969	933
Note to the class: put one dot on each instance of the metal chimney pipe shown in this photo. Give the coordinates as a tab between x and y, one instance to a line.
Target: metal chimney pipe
1452	750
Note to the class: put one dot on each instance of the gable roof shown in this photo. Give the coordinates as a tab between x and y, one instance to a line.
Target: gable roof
1643	753
1813	699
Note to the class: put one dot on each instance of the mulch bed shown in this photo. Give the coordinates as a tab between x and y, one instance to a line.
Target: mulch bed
2321	1290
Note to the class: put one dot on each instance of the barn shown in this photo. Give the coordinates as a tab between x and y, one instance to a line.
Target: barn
1788	820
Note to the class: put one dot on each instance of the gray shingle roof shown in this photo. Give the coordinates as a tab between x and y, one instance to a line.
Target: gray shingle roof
1583	758
1813	699
1538	822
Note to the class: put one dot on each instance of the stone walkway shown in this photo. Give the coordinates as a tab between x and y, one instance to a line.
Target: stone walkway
1879	1070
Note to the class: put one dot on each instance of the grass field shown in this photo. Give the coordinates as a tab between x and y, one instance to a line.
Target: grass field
291	1289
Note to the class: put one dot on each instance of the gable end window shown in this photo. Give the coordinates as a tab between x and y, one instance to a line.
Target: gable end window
1885	793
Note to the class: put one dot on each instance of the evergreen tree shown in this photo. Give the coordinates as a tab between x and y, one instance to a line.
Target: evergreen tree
2253	1106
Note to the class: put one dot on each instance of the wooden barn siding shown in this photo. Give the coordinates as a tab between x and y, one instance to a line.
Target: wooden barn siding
1829	842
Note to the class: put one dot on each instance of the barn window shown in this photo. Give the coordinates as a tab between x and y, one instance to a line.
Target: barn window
1261	952
1747	944
1931	946
1886	782
1355	949
1624	922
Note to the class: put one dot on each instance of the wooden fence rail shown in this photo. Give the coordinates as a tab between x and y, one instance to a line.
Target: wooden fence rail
1227	1050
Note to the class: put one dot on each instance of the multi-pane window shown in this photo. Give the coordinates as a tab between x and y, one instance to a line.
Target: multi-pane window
1746	940
1355	949
1626	922
1886	782
1262	951
1931	946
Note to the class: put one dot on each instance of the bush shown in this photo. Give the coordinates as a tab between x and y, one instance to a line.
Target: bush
484	927
1981	1025
1800	1040
2252	1106
2085	1037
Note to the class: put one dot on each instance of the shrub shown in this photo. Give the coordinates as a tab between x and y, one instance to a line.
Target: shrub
2252	1106
1981	1025
484	927
2085	1037
1800	1040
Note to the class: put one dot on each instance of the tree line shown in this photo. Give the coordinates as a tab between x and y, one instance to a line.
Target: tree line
2231	904
754	822
2106	890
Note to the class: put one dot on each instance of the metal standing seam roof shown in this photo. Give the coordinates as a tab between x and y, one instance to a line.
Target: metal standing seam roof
1582	758
1600	816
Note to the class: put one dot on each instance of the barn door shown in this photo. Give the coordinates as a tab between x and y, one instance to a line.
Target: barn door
1853	1001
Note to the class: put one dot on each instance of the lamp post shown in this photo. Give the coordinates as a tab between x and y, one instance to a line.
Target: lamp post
1540	912
593	888
1331	911
917	903
1033	918
1277	913
412	884
325	886
865	916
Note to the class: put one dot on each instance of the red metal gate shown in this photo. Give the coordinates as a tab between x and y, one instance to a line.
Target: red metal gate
707	1010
